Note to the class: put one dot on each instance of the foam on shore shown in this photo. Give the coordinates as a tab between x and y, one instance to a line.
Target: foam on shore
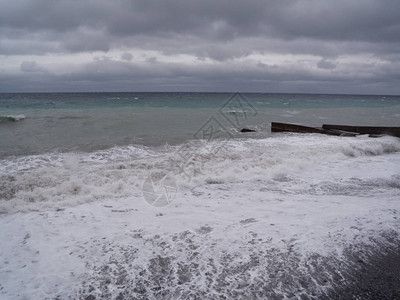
55	180
280	217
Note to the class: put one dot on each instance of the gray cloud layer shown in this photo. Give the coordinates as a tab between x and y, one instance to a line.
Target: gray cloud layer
226	32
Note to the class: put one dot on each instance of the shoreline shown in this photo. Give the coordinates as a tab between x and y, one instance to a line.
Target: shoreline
274	219
201	246
373	276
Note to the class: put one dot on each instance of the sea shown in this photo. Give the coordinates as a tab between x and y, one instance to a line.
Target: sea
162	196
37	124
50	129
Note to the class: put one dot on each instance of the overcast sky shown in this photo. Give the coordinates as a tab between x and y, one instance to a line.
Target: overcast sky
315	46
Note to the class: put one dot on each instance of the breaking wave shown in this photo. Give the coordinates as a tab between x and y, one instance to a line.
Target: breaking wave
291	163
11	118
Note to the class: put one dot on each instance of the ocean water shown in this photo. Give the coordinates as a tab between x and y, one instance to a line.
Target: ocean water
159	195
170	132
86	122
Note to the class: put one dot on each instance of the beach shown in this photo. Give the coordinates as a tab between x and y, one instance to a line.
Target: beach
247	239
199	150
226	215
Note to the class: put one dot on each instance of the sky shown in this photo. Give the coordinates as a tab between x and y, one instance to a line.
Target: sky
293	46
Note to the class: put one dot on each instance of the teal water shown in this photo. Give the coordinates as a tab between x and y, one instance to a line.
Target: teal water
65	122
21	101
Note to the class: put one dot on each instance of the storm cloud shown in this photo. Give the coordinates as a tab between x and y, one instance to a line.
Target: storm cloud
257	46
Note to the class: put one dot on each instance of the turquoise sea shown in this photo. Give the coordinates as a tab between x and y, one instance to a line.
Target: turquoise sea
65	122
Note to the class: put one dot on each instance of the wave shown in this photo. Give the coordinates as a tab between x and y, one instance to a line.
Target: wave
11	118
294	164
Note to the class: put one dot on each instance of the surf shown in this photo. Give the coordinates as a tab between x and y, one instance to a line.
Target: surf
11	118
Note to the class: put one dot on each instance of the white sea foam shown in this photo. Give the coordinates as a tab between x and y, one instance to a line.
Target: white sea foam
12	118
64	179
11	165
253	218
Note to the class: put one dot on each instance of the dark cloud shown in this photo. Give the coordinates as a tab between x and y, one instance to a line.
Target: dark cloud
96	25
31	67
225	32
105	74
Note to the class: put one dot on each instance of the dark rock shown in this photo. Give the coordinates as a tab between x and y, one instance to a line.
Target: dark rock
247	130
